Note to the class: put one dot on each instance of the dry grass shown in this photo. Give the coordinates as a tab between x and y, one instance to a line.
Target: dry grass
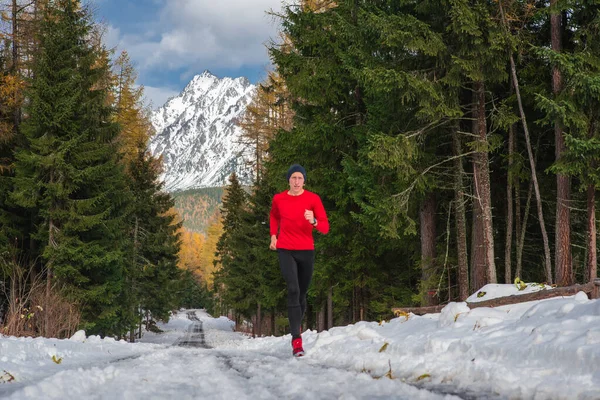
35	308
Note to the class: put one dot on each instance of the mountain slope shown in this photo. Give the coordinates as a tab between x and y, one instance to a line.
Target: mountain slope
197	135
198	207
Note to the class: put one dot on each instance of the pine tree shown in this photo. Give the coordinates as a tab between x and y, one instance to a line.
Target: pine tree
152	273
576	109
321	63
67	174
232	275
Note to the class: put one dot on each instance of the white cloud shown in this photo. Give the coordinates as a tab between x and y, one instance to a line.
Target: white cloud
189	36
112	36
157	96
205	34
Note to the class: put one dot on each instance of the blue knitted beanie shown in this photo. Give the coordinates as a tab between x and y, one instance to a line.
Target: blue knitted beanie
296	168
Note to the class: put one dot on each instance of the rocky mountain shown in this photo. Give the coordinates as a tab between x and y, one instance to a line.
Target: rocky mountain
197	135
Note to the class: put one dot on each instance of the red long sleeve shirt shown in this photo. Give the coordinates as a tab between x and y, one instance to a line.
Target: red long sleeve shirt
287	220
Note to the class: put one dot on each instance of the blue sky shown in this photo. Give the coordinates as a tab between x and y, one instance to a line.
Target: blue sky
170	41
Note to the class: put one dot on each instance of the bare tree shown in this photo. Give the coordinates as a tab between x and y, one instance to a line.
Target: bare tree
482	180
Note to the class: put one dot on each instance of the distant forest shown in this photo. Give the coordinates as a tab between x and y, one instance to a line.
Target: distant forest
198	207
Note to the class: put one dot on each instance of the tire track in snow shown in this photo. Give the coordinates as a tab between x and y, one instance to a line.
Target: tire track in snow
194	337
245	367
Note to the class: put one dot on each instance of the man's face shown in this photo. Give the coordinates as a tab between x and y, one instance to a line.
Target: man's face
296	182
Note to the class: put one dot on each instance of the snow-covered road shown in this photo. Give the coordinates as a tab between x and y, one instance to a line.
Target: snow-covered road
542	350
201	359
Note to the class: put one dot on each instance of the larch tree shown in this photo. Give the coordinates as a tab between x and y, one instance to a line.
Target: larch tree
132	117
268	112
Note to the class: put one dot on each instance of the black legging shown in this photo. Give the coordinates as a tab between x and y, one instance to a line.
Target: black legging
297	270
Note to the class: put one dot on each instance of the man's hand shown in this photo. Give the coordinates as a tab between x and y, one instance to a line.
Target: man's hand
273	245
309	215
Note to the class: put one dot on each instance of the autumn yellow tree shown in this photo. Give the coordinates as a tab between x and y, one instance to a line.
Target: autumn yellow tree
318	5
268	112
132	117
270	108
207	255
190	254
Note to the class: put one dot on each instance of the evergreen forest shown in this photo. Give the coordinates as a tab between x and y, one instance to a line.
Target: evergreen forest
89	239
454	144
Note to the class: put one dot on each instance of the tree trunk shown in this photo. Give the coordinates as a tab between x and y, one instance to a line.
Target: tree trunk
592	253
482	182
362	312
592	260
140	324
563	261
460	219
354	302
521	242
428	235
534	181
15	65
273	317
515	80
478	278
518	222
321	318
52	243
259	320
330	308
509	208
132	280
588	288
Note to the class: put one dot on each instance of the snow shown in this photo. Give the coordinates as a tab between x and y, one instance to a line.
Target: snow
198	136
546	349
493	291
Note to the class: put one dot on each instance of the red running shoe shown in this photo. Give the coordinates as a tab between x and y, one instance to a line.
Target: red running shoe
298	351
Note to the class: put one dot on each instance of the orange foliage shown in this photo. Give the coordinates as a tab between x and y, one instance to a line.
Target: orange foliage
189	253
197	252
11	97
318	5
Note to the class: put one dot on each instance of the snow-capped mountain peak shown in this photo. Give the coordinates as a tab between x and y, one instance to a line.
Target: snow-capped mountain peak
197	135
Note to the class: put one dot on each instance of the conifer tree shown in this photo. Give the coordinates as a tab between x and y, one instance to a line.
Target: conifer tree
134	123
390	99
152	273
67	175
232	276
322	64
576	107
248	278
